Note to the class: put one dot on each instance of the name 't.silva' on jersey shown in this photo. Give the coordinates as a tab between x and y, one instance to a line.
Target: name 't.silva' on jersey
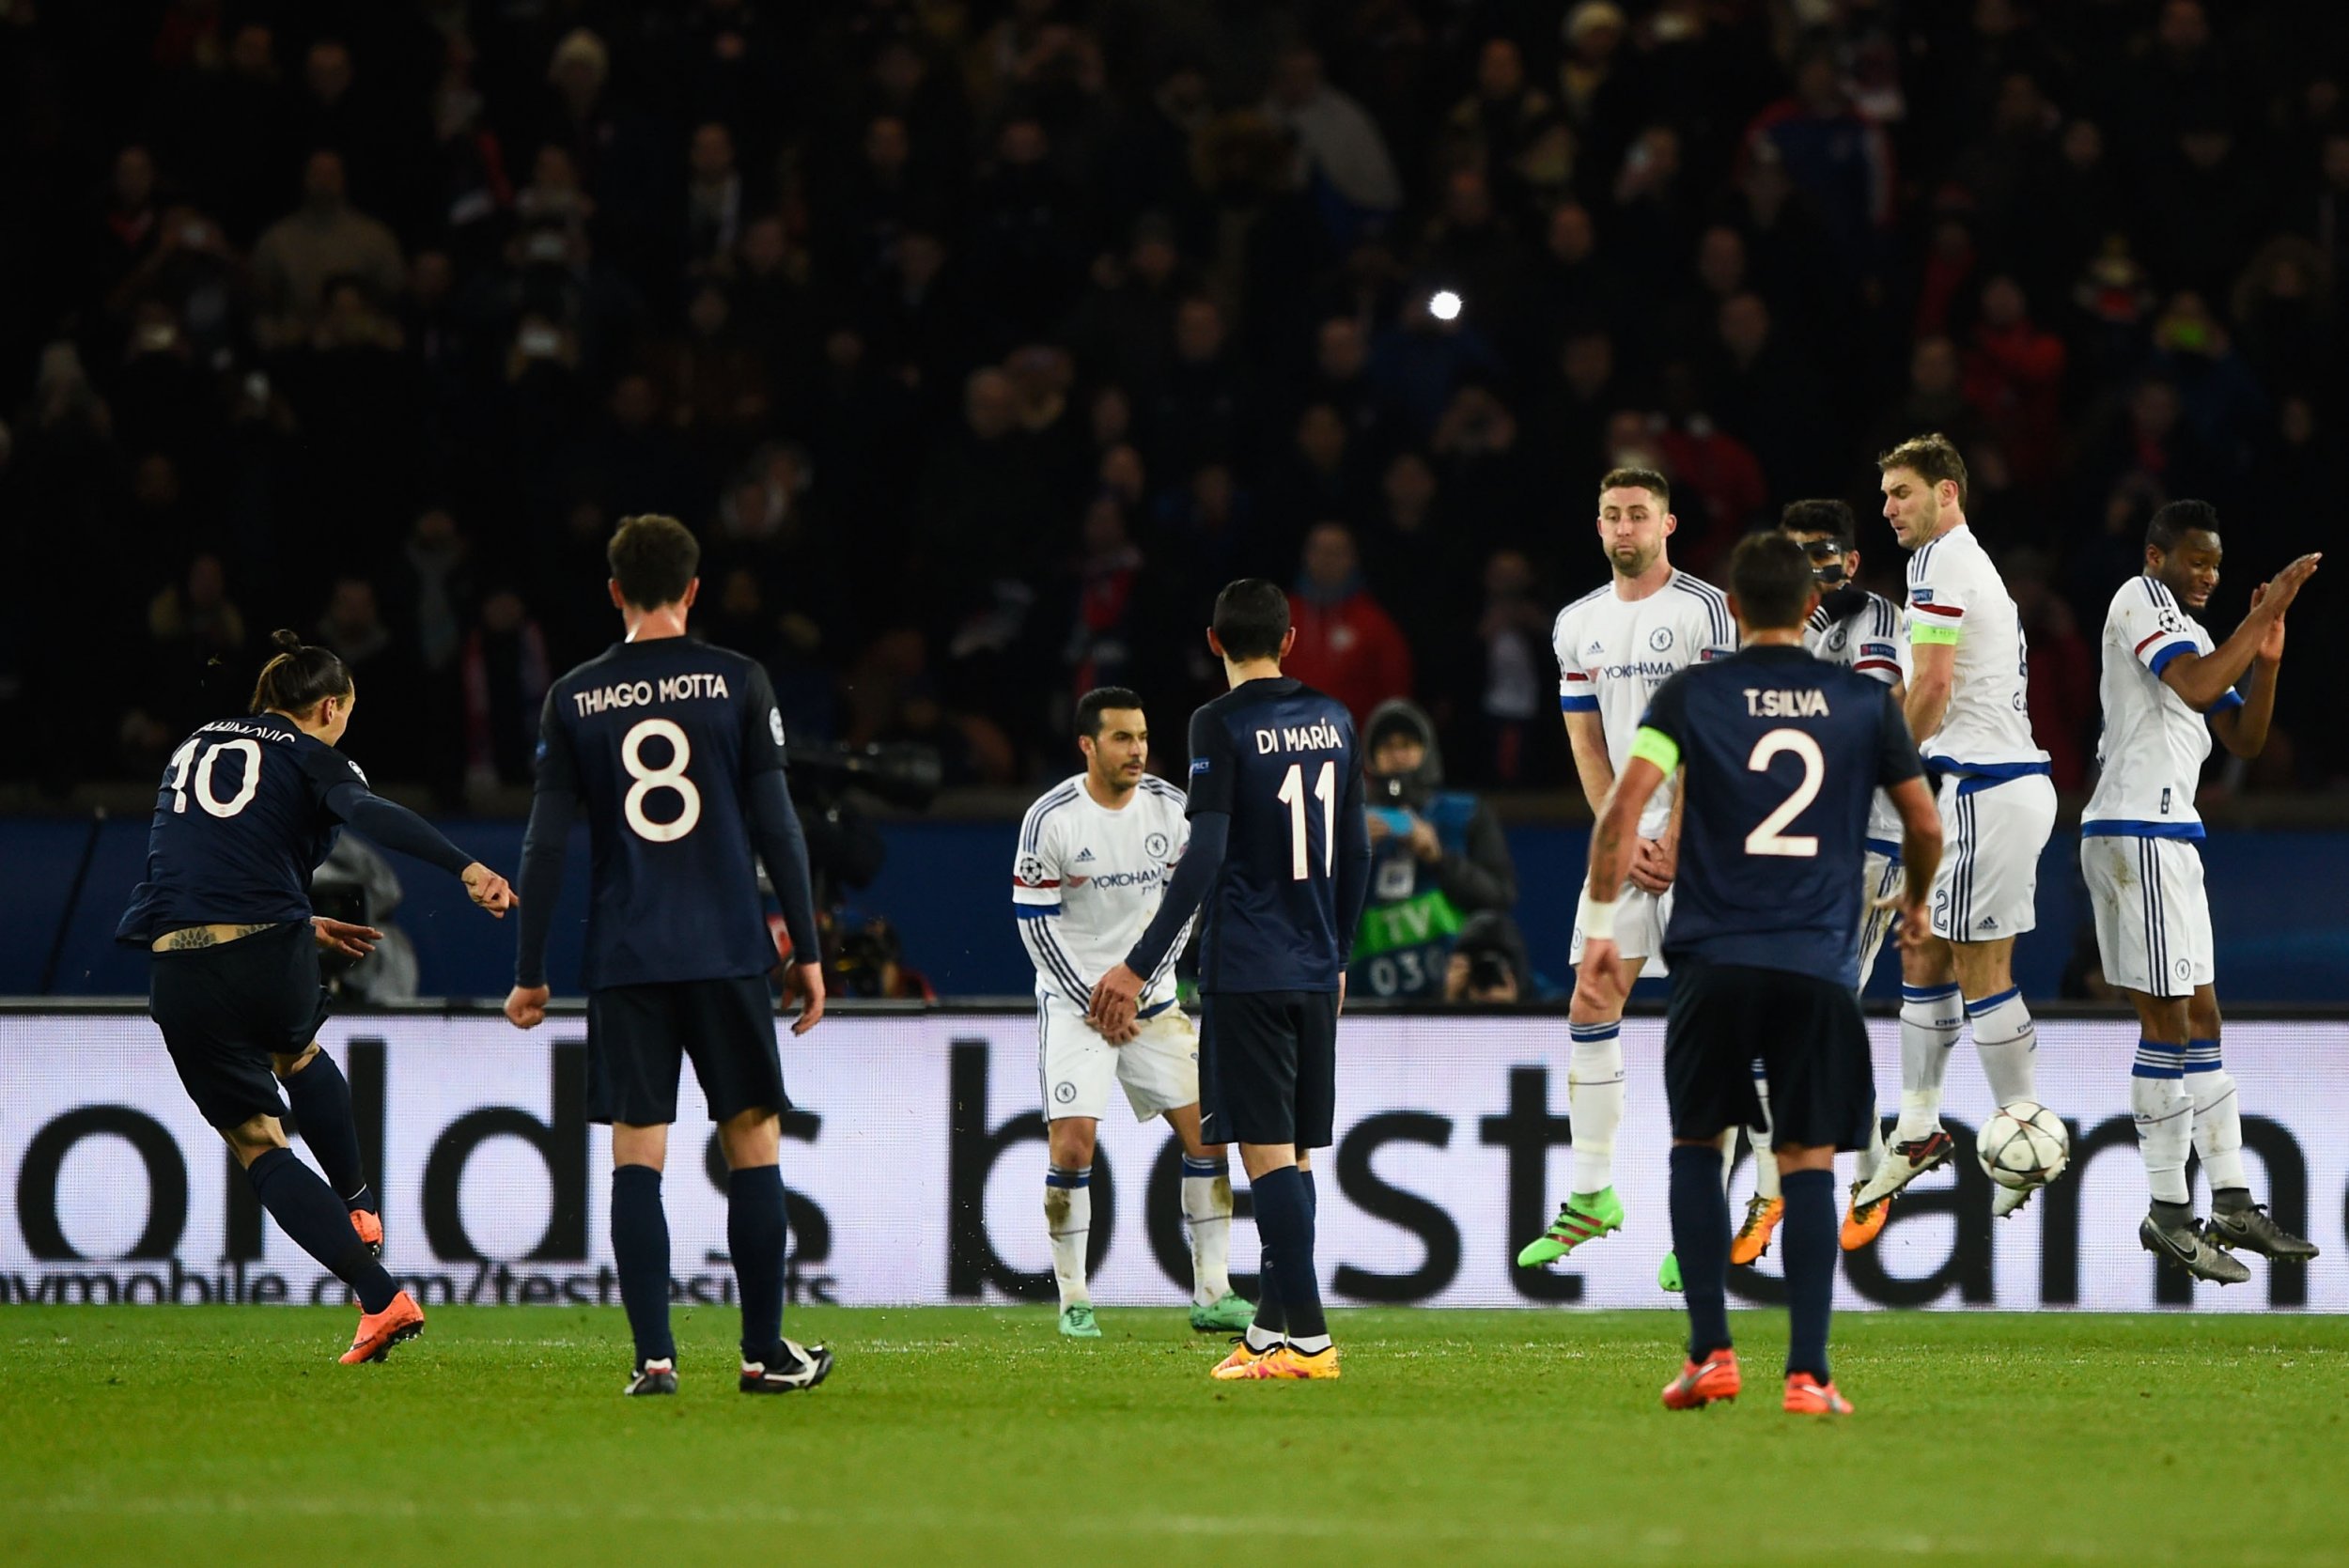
641	693
1804	702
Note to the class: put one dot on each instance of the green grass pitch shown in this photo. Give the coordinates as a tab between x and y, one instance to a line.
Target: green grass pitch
955	1436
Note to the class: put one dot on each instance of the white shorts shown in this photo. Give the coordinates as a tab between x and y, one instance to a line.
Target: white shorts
1159	1067
1993	830
1641	917
1881	879
2152	918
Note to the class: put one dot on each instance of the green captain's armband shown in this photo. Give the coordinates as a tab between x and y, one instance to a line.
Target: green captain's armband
1659	748
1921	632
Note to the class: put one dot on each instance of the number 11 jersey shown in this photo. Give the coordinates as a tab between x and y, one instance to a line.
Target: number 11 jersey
659	740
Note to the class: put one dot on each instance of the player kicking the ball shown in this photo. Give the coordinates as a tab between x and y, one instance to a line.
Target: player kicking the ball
1093	856
1280	853
675	750
1966	706
1616	647
2162	679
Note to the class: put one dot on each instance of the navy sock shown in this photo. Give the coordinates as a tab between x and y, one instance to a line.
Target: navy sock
320	1097
306	1209
756	1231
1284	1218
1807	1232
640	1245
1700	1240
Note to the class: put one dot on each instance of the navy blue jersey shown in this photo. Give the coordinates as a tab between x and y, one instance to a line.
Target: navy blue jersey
1785	754
660	739
1281	761
247	810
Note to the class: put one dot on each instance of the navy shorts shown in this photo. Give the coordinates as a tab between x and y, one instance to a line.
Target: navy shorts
1268	1067
226	1010
639	1036
1806	1034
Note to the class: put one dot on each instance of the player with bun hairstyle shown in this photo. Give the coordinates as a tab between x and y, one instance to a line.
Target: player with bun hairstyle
248	807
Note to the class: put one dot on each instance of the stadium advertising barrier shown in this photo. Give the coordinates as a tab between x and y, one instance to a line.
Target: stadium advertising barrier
915	1165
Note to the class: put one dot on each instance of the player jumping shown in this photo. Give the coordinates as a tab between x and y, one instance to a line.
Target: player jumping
1783	756
2138	836
1093	856
1862	631
1617	646
1967	707
234	985
1280	853
676	748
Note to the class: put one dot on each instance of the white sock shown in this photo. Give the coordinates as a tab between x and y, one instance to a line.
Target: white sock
2164	1115
1728	1143
2217	1117
1930	1017
1765	1162
1069	1219
1864	1167
1208	1210
2008	1043
1595	1101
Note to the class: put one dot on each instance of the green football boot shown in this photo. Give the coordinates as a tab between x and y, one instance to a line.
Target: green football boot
1077	1322
1583	1216
1668	1273
1228	1314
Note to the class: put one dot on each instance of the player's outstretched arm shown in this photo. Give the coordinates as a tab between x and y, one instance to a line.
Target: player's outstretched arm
782	846
2202	681
394	827
543	844
1117	994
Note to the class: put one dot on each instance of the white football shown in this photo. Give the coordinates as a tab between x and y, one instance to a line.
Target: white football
2024	1145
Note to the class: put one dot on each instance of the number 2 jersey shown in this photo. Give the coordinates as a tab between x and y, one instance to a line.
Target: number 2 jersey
1784	754
247	810
661	741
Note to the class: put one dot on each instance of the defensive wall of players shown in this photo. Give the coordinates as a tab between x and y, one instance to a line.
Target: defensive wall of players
913	1156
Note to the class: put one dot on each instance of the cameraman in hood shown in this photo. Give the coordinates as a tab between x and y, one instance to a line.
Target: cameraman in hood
1436	857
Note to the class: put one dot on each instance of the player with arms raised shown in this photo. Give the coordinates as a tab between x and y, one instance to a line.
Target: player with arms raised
1966	704
2165	689
1783	754
675	750
1093	856
1280	853
1616	647
234	988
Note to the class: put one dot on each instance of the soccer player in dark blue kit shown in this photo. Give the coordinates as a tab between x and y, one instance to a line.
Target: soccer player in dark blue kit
677	751
1783	753
248	809
1280	852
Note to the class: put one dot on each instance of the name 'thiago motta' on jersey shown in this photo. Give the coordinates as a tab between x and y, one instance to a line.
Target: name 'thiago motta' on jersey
2165	687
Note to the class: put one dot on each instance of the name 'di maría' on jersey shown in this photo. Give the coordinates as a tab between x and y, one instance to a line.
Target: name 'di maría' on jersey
1308	738
643	693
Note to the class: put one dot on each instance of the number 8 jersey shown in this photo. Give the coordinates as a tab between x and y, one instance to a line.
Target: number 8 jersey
660	740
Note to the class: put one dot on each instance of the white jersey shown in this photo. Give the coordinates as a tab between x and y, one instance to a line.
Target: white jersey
1868	641
1614	653
1955	594
1087	881
2151	755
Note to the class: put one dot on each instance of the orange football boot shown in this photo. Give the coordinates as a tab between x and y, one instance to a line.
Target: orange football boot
379	1332
1807	1396
1700	1383
1754	1238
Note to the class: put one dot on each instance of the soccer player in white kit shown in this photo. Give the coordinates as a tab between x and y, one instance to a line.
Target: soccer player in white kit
1615	645
1093	856
1969	671
2165	689
1864	632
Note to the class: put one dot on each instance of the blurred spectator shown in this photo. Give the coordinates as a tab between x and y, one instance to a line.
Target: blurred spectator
326	238
1489	963
1347	646
2014	381
1436	856
2062	673
1339	148
506	676
1503	695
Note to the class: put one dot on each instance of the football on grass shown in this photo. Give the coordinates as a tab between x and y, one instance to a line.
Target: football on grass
2024	1145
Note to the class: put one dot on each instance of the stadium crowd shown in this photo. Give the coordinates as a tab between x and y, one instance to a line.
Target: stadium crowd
981	343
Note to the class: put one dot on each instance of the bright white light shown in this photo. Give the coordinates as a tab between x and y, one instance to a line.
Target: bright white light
1445	306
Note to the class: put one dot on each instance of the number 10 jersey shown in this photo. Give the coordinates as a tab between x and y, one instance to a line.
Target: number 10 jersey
659	740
